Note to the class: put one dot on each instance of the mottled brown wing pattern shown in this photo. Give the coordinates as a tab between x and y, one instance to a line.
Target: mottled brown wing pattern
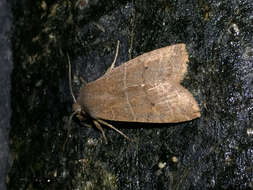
144	89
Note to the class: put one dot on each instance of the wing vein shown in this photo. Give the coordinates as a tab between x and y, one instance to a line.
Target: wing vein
126	94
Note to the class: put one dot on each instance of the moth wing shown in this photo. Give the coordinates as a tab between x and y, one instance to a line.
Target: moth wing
167	63
164	103
145	89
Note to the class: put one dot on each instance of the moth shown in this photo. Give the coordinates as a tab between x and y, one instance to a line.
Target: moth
145	89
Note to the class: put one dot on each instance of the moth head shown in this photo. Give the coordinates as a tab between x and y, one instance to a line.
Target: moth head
77	108
79	111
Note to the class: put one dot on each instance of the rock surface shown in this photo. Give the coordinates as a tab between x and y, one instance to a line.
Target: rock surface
213	152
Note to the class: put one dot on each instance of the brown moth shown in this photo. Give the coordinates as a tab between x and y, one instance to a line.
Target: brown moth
144	89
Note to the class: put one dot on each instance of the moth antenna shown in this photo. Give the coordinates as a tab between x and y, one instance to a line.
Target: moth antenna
83	81
111	126
69	127
115	58
116	54
70	119
70	81
75	111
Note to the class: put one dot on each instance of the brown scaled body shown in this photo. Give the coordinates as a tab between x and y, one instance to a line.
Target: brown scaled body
144	89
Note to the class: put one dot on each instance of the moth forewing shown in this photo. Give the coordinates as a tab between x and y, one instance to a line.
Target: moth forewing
144	89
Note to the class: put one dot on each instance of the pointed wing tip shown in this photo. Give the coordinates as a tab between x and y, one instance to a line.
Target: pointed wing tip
196	111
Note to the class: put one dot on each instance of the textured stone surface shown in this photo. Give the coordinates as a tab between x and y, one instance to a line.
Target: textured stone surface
5	86
213	152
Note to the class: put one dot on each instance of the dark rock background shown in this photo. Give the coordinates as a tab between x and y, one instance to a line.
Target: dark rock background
5	86
213	152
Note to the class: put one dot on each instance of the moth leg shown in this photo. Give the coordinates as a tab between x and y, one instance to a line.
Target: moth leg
96	123
114	61
86	125
109	125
